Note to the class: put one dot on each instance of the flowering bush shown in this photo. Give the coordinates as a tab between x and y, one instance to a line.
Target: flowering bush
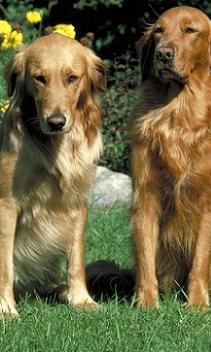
9	37
13	35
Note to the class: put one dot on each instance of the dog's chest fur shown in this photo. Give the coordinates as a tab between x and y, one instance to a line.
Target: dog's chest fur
49	195
179	156
178	138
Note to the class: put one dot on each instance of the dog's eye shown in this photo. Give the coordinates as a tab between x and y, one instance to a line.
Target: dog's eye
190	30
159	30
40	79
72	78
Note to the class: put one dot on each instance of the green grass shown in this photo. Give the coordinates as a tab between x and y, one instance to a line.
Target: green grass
116	326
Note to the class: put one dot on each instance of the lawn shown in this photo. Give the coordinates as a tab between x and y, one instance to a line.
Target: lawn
116	326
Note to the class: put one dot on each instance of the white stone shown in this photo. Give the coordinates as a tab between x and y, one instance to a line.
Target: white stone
110	189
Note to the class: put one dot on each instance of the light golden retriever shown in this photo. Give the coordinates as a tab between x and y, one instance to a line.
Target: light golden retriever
171	159
49	143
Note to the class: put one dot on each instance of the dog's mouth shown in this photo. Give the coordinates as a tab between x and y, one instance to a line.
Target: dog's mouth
167	74
52	131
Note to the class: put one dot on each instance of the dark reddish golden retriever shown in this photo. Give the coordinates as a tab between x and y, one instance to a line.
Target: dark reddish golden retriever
171	159
49	144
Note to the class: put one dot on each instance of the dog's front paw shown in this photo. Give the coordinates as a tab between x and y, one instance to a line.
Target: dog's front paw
78	300
7	308
147	298
87	304
198	300
198	294
81	301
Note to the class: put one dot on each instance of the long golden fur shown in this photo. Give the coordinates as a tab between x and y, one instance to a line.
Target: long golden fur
171	159
49	143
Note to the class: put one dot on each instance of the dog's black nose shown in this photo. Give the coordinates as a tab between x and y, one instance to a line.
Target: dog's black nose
56	122
165	54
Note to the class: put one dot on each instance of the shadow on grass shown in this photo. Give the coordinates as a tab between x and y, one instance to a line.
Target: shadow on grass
106	281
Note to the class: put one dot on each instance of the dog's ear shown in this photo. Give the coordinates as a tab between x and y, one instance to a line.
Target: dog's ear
14	73
145	53
99	76
97	72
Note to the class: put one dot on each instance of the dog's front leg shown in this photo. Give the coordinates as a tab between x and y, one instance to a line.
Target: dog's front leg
145	227
145	233
8	219
77	293
198	280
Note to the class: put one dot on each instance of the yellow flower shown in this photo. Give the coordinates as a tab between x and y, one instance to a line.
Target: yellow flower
65	29
12	40
5	27
9	38
33	16
4	106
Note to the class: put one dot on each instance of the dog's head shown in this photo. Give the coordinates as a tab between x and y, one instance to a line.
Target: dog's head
54	79
177	45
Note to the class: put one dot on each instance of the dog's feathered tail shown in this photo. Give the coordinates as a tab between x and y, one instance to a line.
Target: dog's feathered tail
105	280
